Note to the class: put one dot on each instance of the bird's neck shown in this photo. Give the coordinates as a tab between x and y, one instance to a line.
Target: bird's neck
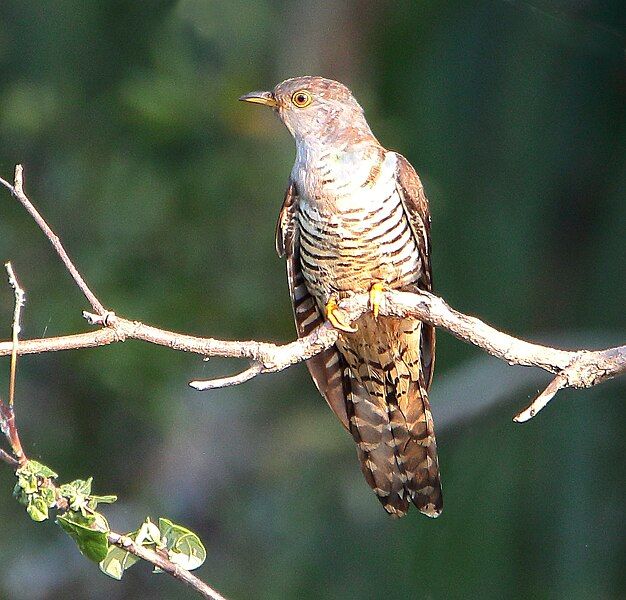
325	173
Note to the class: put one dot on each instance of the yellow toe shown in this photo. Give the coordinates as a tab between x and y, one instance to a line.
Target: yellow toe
376	298
337	317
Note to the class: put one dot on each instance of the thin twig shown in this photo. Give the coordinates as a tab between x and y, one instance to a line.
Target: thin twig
7	423
159	560
558	383
211	384
18	192
7	458
163	563
7	412
20	298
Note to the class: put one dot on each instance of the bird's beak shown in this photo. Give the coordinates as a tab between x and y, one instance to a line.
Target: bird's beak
266	98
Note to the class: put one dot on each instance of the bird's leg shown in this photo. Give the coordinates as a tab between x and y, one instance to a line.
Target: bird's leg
376	297
337	317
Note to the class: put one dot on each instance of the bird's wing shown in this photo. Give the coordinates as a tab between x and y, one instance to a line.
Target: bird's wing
328	369
416	209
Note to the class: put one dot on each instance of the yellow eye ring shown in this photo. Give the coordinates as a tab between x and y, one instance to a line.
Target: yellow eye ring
301	98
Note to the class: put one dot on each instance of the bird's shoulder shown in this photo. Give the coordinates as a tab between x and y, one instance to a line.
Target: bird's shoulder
411	186
285	227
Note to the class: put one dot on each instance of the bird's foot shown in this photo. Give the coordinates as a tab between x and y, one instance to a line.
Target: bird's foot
338	317
376	297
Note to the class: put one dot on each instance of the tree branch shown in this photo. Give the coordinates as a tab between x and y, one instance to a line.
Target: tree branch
578	369
17	189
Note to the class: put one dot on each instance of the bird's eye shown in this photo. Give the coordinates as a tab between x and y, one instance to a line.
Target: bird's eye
301	98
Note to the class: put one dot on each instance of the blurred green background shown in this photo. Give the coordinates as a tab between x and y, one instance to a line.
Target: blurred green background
165	190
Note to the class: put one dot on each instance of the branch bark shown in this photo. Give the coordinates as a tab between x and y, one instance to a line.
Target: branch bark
578	369
17	189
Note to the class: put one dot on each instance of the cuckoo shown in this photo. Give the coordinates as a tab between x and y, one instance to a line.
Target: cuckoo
355	219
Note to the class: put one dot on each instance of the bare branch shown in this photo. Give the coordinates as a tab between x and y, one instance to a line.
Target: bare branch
211	384
18	192
20	299
579	369
7	413
272	357
558	383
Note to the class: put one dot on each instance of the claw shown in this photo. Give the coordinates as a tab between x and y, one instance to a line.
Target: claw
376	297
337	317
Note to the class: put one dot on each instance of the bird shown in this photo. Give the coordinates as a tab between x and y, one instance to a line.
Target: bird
355	219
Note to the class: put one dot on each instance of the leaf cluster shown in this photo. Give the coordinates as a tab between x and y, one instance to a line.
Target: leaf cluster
183	547
78	516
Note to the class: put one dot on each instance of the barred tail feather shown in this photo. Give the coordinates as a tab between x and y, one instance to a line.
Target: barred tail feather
398	455
419	455
389	416
376	448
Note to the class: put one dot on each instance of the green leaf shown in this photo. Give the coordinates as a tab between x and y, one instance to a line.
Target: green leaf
102	500
78	487
78	494
37	508
28	482
148	534
90	533
117	561
20	495
184	547
48	495
32	467
82	486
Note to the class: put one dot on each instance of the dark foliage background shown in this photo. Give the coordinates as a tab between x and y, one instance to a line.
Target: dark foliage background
165	190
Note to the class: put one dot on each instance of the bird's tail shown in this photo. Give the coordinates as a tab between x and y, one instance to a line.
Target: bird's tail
397	451
391	422
416	448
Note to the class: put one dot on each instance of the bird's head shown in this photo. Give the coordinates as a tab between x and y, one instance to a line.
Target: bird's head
314	108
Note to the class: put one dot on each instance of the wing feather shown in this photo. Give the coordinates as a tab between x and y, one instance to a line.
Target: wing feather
329	368
417	211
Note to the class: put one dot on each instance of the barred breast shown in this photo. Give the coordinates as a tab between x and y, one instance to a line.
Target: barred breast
353	229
